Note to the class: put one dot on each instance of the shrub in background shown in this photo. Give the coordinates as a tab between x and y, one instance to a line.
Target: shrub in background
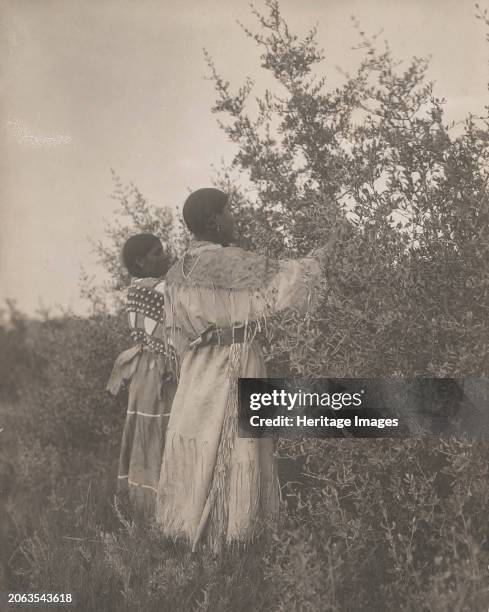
70	408
407	292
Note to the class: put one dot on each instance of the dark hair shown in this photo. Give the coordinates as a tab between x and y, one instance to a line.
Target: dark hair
201	206
137	246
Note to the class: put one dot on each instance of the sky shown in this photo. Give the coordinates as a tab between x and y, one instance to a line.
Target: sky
88	86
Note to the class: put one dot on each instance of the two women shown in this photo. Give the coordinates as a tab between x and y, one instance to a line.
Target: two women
214	487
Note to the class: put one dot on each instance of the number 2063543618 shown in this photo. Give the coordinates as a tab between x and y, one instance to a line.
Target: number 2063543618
11	600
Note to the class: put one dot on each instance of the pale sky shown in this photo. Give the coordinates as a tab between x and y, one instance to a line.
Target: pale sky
90	85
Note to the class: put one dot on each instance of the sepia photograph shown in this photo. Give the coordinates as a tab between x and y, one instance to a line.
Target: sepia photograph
244	305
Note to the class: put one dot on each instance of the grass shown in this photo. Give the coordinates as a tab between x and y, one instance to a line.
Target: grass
369	525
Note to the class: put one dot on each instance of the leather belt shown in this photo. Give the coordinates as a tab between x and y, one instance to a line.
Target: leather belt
214	336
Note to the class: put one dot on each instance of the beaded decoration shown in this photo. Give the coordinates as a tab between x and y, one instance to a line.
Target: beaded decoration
146	316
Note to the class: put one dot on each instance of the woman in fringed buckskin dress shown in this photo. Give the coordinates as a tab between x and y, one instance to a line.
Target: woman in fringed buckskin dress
215	486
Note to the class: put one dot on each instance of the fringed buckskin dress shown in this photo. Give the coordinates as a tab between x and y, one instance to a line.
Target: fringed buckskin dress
215	486
149	368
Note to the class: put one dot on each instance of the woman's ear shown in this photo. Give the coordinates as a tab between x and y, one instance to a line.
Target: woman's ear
139	262
212	224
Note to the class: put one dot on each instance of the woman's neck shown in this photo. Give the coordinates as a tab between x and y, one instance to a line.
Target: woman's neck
208	238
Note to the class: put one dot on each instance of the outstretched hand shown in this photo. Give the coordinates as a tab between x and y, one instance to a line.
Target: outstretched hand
339	231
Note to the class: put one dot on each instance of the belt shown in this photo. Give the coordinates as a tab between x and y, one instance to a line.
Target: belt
214	336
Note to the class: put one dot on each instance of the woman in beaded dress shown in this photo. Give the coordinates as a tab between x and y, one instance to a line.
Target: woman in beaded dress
148	367
215	487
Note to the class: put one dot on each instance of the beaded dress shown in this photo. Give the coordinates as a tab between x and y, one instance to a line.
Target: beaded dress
149	369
